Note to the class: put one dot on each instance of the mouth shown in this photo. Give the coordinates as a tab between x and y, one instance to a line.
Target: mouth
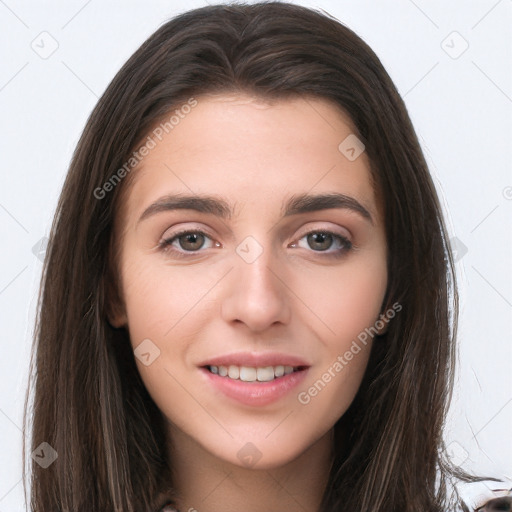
254	380
253	374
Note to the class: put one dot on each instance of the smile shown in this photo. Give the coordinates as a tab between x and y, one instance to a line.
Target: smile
251	374
263	386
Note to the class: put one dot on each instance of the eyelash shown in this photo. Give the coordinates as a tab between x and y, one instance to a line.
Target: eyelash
166	244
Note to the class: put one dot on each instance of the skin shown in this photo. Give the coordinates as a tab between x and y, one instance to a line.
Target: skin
293	298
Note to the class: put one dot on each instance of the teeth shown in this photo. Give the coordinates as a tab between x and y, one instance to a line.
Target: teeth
250	374
265	374
234	372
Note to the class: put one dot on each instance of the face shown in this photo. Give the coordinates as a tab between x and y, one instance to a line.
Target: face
253	246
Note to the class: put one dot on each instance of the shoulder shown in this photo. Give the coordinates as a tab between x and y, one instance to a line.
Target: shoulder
477	494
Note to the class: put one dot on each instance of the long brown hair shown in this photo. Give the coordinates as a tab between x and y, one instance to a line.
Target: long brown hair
90	404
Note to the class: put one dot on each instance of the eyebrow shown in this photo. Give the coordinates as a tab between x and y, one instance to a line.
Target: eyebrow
295	205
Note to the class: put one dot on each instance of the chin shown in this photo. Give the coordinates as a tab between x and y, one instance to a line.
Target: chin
259	452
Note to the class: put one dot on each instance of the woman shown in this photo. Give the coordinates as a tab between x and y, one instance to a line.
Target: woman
248	300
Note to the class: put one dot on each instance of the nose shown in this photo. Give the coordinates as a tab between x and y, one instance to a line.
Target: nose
256	294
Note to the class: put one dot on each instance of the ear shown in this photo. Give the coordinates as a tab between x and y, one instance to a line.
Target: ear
382	329
115	309
382	323
114	305
117	317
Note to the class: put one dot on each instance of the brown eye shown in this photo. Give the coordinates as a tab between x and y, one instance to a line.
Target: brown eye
332	244
186	243
320	241
191	241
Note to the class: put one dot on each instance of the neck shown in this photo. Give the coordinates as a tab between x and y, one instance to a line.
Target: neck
205	483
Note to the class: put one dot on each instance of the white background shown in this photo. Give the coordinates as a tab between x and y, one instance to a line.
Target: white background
462	111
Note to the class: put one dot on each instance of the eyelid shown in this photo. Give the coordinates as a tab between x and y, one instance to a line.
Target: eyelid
334	230
187	229
311	226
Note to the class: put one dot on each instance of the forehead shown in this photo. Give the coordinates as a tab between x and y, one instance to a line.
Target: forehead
252	151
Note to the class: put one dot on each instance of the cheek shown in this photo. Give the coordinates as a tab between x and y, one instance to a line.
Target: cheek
344	301
346	305
158	298
145	300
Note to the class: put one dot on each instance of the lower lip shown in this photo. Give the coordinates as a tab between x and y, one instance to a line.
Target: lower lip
256	393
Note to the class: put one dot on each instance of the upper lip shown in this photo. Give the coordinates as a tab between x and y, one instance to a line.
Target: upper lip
255	360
